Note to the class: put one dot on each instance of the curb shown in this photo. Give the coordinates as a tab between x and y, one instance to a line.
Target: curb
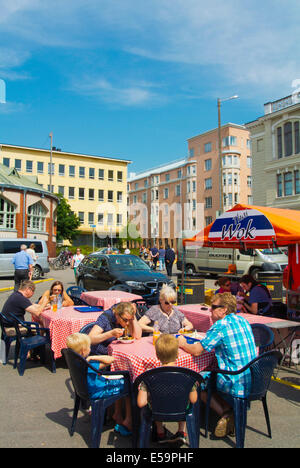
35	282
285	382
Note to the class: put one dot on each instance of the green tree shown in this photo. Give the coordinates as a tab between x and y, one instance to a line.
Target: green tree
67	222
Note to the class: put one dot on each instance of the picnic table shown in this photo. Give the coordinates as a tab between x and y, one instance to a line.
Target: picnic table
107	299
140	356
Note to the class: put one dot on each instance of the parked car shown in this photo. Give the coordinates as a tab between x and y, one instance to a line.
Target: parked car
215	261
8	248
101	272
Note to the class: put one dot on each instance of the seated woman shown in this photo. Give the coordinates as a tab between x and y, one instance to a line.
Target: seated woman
227	286
170	319
111	324
56	291
259	301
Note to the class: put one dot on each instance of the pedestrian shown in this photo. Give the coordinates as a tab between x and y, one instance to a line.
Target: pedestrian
31	251
169	259
127	251
162	263
76	260
23	264
154	256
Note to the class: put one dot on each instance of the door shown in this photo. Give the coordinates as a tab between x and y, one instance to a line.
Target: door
101	276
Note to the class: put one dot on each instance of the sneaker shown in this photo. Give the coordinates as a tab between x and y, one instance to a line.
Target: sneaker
180	437
165	437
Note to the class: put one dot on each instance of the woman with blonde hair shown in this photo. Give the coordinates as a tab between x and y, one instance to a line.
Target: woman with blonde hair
169	318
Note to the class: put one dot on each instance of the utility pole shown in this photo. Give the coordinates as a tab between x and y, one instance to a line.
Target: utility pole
51	141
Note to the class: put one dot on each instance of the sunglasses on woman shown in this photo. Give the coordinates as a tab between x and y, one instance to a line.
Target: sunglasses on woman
170	302
215	306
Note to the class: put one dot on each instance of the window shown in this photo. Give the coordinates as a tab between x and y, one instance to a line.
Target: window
110	219
229	179
229	141
144	197
207	163
91	218
18	164
191	152
120	176
179	174
61	169
100	218
208	183
249	162
177	190
279	142
71	193
167	177
208	202
166	193
288	141
136	185
100	195
279	185
119	219
101	174
91	173
193	186
230	199
36	217
91	194
61	190
81	193
6	162
51	168
119	197
7	214
111	175
71	171
110	196
249	181
40	167
81	216
297	182
288	184
296	138
207	148
28	166
236	179
146	183
81	172
208	220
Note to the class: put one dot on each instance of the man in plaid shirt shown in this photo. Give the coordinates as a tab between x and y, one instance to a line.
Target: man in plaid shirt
232	339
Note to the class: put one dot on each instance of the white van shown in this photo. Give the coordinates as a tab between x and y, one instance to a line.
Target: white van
8	248
211	261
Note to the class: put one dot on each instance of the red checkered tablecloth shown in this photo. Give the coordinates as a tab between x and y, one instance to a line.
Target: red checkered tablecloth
140	356
63	323
107	299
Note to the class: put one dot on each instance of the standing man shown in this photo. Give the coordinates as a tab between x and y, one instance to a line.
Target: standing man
169	259
23	264
154	256
162	264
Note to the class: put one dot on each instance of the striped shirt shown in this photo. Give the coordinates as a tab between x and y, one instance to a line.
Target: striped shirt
233	342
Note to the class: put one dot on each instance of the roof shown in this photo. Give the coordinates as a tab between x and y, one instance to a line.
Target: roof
11	178
159	169
55	152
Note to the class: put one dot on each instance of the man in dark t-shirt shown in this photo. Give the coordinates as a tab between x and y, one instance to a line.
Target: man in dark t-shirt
18	303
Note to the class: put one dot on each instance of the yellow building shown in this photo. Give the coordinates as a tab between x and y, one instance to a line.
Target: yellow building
95	186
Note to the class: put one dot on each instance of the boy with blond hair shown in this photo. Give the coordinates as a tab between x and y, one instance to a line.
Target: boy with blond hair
166	348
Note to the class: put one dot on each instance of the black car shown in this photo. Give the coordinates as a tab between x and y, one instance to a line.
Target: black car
99	272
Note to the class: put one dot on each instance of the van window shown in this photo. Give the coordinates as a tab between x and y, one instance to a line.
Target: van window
38	246
12	247
271	251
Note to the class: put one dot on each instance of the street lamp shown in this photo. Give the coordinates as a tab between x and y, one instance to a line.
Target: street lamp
220	148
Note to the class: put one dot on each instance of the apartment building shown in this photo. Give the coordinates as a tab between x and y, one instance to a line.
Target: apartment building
95	186
275	138
185	194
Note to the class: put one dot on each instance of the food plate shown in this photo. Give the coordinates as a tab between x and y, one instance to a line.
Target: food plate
121	340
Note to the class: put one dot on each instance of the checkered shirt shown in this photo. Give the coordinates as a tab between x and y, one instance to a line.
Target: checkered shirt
233	342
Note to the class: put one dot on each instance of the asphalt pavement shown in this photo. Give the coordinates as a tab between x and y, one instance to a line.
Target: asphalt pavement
36	409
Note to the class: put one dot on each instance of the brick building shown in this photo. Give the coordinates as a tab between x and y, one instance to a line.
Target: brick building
26	209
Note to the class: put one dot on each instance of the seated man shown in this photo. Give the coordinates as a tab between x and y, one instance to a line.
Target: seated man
232	339
18	303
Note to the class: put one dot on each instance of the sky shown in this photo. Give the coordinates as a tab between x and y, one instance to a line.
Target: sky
135	79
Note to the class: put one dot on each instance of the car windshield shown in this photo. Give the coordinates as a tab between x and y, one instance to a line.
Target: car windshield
271	251
127	262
